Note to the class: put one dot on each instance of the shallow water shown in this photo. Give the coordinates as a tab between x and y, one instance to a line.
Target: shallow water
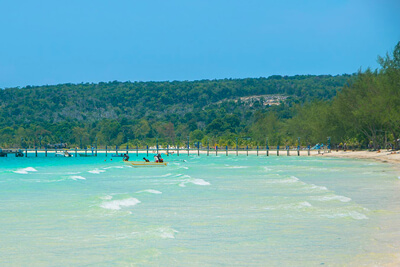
198	211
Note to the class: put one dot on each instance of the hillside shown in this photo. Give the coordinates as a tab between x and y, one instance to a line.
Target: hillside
114	112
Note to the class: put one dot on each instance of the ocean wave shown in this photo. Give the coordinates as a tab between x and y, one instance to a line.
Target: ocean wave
314	187
25	170
291	179
166	175
195	181
330	198
350	214
291	206
108	197
152	191
113	167
96	171
118	204
76	177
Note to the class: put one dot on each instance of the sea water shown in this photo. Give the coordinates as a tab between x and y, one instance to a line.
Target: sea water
198	211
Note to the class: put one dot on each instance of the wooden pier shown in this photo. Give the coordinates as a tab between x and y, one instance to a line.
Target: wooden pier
168	150
16	152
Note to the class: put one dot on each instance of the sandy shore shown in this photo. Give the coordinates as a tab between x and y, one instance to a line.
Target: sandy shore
383	155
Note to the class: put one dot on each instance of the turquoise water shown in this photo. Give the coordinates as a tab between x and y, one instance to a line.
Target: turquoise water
198	211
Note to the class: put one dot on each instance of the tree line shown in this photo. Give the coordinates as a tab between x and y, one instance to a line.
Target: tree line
116	113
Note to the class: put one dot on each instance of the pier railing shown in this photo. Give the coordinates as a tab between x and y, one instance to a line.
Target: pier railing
120	151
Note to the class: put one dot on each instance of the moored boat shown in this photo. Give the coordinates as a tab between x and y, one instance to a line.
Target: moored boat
145	164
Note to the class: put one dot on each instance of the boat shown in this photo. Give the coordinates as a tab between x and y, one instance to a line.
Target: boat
64	153
145	164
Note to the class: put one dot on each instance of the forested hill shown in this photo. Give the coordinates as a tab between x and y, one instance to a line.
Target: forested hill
115	111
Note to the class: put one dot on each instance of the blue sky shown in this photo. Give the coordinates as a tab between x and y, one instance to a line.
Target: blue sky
51	42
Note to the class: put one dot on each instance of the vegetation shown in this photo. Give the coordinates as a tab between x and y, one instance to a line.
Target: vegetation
143	112
361	110
365	113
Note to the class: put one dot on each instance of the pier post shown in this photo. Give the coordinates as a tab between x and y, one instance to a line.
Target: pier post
237	147
116	150
226	150
127	149
198	148
267	151
147	149
92	148
26	152
329	143
188	146
287	149
298	146
309	150
247	150
137	151
167	149
177	149
55	152
208	148
277	150
267	147
216	150
257	150
45	151
106	151
76	152
85	151
35	151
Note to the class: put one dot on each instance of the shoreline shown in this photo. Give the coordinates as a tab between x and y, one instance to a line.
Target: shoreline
381	156
384	156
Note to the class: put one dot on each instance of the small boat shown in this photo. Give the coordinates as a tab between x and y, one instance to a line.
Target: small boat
145	164
64	153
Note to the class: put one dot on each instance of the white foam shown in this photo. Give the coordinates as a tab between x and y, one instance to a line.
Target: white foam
291	206
167	233
193	181
305	204
331	197
108	197
25	170
152	191
200	182
118	204
292	179
97	171
166	175
352	214
76	177
323	188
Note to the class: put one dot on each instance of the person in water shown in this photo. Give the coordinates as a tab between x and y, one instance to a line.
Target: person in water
126	157
159	158
155	158
146	160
